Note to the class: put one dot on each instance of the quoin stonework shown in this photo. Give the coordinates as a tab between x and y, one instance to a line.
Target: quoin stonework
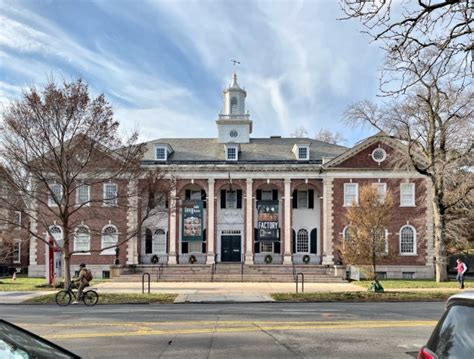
260	202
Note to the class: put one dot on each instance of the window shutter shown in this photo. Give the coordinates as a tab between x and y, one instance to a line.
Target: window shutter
204	231
203	198
311	198
184	247
275	195
256	247
293	241
276	247
167	203
204	247
314	241
295	199
259	195
187	194
255	232
239	198
167	241
148	241
223	198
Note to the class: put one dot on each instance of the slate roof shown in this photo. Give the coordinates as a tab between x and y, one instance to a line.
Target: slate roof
259	150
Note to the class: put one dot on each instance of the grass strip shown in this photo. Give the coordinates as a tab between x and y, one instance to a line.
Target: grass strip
363	297
415	283
115	298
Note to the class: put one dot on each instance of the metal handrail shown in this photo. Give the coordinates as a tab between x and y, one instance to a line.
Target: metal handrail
242	258
143	282
302	282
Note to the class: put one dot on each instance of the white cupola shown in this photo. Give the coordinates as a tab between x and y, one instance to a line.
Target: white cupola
234	124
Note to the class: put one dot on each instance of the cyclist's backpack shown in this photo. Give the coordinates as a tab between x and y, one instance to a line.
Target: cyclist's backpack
88	275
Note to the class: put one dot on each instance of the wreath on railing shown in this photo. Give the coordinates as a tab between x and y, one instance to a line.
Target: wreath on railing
306	259
268	259
192	259
155	259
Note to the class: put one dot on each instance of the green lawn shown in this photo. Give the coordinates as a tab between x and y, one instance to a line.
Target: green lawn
363	297
30	284
414	283
122	298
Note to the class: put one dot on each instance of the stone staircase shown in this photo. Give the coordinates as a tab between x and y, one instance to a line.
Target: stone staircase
231	272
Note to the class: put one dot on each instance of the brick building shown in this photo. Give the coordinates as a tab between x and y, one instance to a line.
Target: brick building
257	201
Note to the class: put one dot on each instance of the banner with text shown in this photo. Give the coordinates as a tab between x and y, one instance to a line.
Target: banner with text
267	220
192	213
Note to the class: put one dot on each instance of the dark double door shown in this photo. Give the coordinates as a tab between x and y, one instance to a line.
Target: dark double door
231	248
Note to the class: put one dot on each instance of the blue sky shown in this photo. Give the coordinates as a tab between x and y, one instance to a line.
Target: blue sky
163	64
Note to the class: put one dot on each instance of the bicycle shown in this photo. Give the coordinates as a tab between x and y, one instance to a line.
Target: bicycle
64	297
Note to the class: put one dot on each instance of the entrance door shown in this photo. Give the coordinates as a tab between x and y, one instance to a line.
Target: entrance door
230	249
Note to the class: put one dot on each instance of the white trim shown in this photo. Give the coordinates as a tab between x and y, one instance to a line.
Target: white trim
379	161
74	239
308	233
18	223
345	204
414	253
381	184
51	202
163	147
232	147
110	251
413	194
115	199
86	203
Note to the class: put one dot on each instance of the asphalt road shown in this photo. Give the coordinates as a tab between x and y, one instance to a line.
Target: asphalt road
270	330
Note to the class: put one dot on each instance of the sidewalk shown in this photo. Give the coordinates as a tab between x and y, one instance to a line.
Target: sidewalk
18	297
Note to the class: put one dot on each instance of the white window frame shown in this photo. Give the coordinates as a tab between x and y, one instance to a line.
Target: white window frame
414	252
412	203
109	202
110	251
60	237
159	147
51	202
345	233
349	203
231	204
87	202
379	185
17	220
380	149
158	245
300	158
18	257
232	148
75	239
386	241
265	194
303	203
300	242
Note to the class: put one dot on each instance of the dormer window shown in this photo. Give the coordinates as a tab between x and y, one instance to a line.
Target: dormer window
231	153
162	151
301	152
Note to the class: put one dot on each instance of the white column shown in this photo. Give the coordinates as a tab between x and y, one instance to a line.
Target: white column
328	257
287	229
172	229
249	223
132	222
210	223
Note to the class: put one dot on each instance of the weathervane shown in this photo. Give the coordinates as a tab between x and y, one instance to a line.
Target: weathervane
235	62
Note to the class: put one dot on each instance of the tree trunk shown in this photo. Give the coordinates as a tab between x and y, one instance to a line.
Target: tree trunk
441	260
67	267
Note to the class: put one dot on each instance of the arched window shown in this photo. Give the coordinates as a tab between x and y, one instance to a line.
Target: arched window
159	241
109	238
382	239
82	239
233	105
57	233
407	240
302	241
345	233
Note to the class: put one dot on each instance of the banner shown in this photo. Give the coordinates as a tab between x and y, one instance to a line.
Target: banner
267	220
192	213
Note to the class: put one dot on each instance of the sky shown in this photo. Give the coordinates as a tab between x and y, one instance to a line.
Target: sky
164	64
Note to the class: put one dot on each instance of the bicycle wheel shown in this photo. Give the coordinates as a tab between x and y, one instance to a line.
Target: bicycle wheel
90	298
63	298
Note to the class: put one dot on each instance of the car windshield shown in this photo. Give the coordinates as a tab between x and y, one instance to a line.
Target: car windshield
454	335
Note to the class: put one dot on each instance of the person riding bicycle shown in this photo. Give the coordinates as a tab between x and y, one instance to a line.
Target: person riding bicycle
81	282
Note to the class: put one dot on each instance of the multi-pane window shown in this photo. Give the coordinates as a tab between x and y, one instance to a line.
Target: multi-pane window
233	105
407	240
351	194
3	189
381	191
16	252
159	241
266	247
302	199
231	153
17	219
110	194
381	240
231	199
109	239
195	247
267	195
407	194
346	234
195	195
82	194
303	153
302	243
160	153
57	233
82	239
55	195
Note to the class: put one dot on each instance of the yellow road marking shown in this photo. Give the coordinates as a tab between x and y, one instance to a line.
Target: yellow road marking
253	328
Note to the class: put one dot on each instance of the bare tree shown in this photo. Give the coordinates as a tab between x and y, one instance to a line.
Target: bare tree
59	146
433	121
412	30
366	243
330	137
299	132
